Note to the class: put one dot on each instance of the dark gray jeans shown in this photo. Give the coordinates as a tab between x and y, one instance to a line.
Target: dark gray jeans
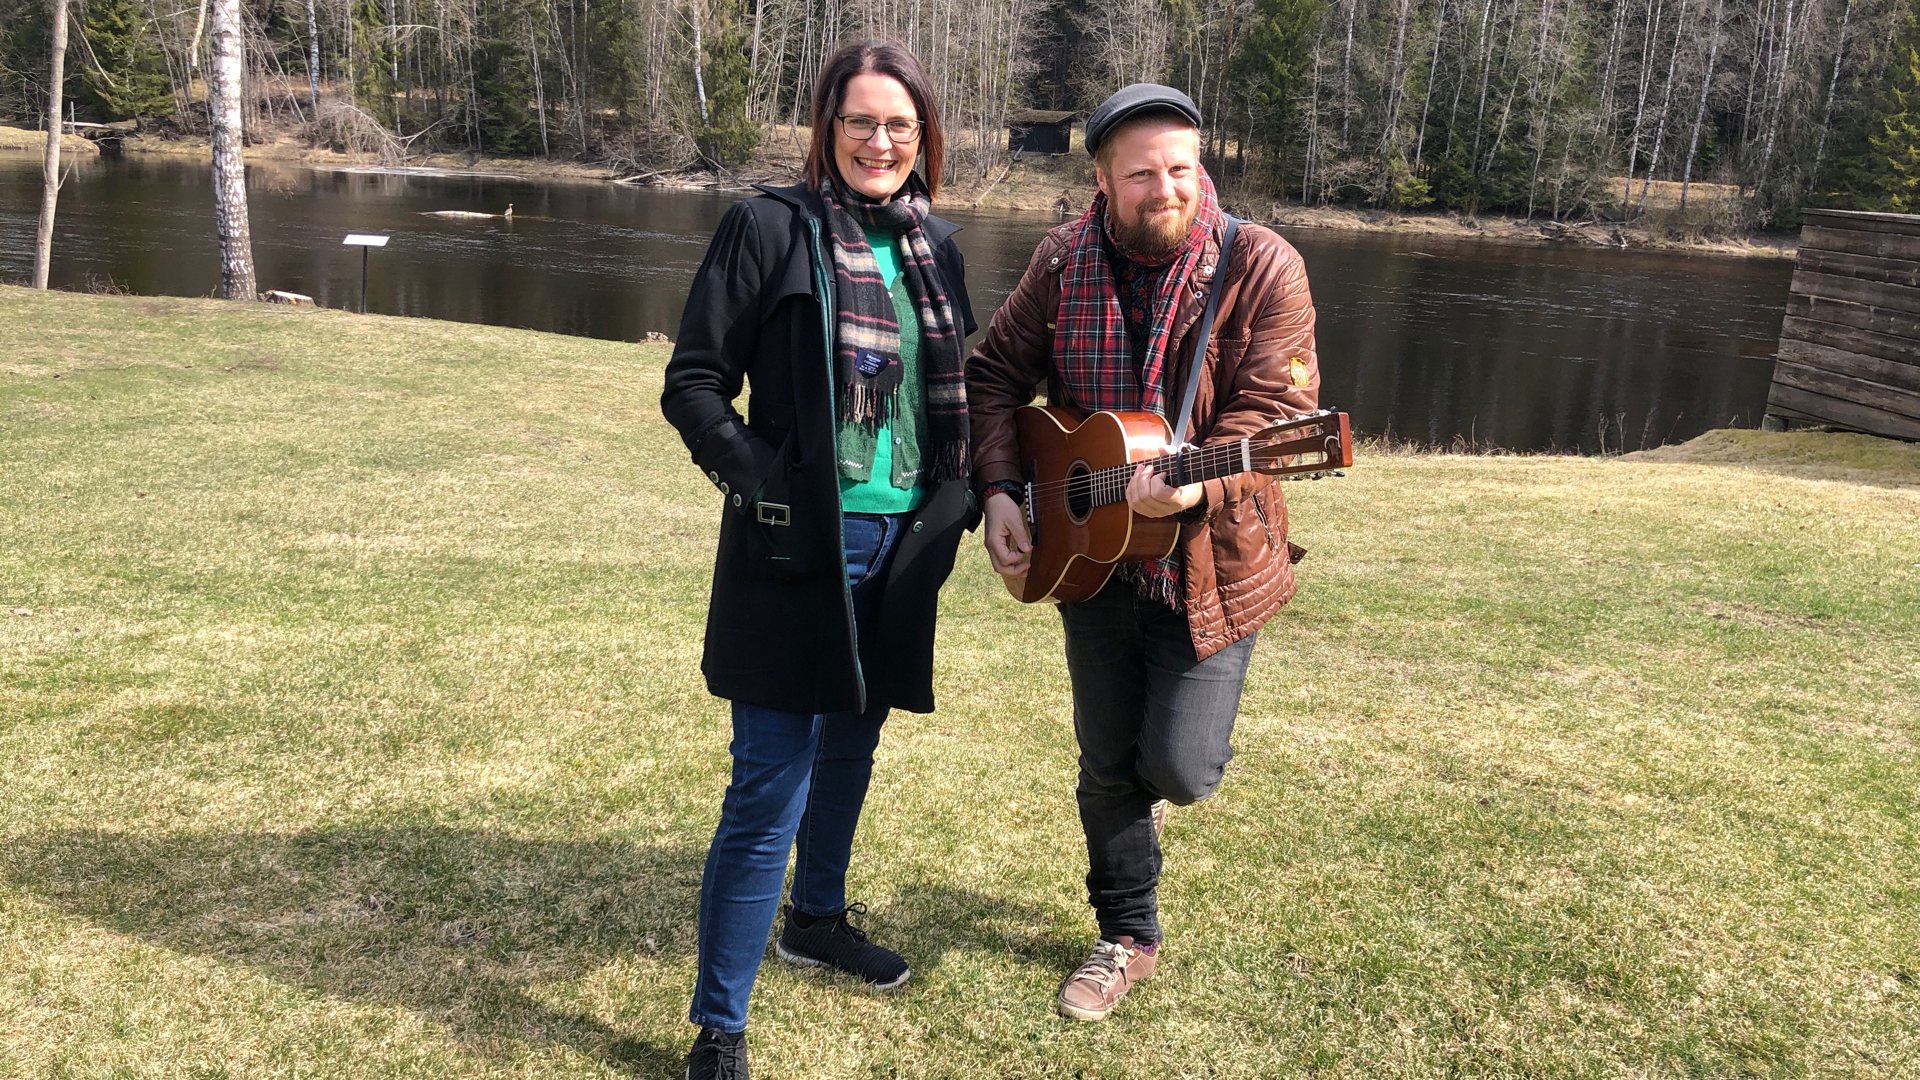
1153	723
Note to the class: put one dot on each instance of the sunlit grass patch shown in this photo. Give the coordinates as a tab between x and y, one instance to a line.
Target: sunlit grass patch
351	726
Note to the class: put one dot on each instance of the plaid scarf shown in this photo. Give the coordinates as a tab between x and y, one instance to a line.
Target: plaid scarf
866	353
1094	357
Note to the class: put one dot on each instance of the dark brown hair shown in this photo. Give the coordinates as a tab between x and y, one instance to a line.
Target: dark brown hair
880	58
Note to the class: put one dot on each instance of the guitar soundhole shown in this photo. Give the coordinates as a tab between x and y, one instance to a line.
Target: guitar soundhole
1079	492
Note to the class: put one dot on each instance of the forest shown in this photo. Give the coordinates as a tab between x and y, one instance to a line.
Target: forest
1562	109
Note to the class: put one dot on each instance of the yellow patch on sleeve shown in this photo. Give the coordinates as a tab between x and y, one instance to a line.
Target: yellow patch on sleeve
1302	374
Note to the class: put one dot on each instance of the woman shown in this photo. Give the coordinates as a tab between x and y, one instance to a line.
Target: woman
842	301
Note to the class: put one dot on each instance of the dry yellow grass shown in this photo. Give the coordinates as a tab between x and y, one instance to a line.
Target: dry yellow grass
23	140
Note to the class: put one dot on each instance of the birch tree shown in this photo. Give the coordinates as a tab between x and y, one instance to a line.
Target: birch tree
50	165
224	94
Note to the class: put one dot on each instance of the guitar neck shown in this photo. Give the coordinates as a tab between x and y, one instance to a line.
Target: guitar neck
1200	463
1190	466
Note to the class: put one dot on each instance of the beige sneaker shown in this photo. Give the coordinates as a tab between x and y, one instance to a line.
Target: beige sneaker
1091	992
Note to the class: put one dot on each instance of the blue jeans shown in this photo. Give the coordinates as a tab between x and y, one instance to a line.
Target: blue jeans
1153	722
799	781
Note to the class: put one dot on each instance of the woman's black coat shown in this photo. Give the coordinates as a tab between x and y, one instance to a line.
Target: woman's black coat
780	625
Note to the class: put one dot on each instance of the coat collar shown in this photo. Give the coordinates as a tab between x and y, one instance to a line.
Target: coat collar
807	201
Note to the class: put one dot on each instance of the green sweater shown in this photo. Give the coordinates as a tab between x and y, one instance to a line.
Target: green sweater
890	479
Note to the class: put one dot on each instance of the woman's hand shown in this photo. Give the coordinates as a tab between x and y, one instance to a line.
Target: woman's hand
1008	546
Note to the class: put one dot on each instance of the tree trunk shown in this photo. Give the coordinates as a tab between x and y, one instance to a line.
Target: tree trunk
1666	105
1346	75
699	79
1779	101
1486	73
1433	76
313	57
539	89
1640	106
1833	87
753	58
50	167
1700	113
1396	80
224	96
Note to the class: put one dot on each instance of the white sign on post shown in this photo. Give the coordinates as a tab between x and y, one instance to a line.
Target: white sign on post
365	243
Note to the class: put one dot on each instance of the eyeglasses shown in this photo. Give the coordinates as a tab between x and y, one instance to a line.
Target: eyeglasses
863	127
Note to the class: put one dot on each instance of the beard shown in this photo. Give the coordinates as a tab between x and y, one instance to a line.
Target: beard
1153	234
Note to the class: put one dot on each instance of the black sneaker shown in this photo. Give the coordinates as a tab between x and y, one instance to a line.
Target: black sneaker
833	941
718	1055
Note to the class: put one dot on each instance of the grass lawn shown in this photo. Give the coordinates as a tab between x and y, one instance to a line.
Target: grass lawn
351	726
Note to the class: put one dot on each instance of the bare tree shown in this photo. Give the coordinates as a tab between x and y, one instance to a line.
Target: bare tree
313	57
1833	88
1666	107
224	96
1700	112
50	168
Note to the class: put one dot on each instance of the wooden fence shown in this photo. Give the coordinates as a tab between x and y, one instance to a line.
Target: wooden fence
1850	347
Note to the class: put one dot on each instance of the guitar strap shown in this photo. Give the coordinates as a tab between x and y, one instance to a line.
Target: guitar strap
1205	331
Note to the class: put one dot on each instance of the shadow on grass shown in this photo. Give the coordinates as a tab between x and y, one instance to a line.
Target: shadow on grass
458	926
929	919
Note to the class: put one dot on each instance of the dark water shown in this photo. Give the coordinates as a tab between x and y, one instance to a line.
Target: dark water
1427	339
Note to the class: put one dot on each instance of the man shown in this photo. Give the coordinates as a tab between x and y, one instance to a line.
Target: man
1104	317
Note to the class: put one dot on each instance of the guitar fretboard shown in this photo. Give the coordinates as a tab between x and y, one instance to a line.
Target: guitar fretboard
1103	487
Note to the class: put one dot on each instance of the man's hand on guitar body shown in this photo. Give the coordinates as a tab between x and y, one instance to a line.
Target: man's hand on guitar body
1150	496
1009	547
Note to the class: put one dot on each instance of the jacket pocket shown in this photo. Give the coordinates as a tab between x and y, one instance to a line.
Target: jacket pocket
1260	511
1294	552
783	538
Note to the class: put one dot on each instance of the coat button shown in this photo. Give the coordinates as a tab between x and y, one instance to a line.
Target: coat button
737	500
918	525
714	476
723	487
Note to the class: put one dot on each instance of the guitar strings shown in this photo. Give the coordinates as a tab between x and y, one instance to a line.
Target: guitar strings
1111	482
1114	478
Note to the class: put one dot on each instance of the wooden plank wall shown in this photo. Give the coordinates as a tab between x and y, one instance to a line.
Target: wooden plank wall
1850	347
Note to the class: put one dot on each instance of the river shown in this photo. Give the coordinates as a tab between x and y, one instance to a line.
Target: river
1432	340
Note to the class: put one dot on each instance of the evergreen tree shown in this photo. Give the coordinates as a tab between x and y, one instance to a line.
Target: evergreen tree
1268	72
1896	146
131	76
373	54
728	138
503	81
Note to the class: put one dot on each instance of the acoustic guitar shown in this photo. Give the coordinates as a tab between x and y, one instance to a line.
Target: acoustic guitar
1077	468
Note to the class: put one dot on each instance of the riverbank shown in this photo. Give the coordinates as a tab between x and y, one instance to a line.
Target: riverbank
353	727
23	140
1065	184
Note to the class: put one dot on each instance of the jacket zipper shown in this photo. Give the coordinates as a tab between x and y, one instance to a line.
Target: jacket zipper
825	285
1260	511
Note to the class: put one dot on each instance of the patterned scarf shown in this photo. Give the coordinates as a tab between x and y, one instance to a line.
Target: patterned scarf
1092	352
866	355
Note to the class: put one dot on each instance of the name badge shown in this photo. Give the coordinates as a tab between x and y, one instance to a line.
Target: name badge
870	363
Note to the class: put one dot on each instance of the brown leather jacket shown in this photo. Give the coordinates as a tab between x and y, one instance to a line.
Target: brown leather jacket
1260	366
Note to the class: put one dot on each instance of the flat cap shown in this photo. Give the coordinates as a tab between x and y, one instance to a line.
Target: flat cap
1133	101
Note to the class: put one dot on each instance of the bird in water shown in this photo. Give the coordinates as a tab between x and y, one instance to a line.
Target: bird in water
508	214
